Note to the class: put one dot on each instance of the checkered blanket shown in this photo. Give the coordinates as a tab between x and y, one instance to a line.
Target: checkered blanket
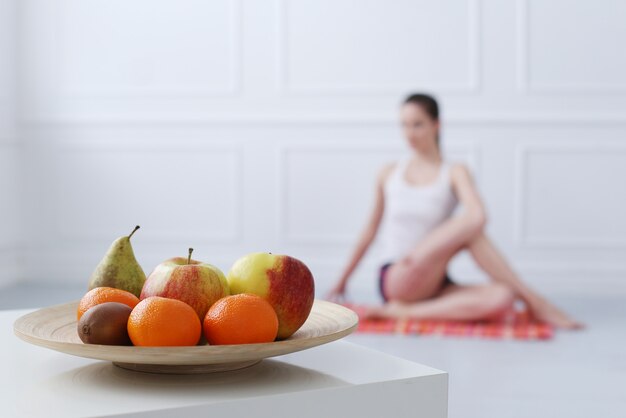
518	326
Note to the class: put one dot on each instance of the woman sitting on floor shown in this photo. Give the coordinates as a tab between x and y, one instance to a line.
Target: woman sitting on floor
416	197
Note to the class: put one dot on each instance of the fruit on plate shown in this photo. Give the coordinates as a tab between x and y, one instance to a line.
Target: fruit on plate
240	319
158	321
284	281
106	324
119	268
196	283
100	295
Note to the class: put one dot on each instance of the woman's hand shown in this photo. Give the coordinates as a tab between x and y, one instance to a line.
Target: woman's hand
338	293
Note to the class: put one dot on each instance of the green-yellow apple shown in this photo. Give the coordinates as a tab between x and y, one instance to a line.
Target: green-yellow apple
196	283
285	282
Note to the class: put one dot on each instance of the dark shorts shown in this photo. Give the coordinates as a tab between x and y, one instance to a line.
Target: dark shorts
381	280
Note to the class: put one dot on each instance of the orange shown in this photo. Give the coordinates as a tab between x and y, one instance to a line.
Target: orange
159	321
99	295
240	319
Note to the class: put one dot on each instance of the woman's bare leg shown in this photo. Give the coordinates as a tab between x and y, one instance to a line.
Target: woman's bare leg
419	275
459	303
494	264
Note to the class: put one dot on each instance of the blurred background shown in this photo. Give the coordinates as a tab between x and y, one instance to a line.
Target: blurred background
235	126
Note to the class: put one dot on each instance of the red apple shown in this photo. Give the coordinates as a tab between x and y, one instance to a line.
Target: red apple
198	284
285	282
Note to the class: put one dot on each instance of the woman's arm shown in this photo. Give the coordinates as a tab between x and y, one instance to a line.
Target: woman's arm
366	237
463	185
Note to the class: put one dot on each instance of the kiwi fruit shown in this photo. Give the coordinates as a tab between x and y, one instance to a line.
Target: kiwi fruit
106	324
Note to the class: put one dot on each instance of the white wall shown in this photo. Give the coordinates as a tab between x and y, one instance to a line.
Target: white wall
9	147
235	126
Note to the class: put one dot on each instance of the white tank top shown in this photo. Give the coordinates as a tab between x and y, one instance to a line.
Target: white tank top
411	211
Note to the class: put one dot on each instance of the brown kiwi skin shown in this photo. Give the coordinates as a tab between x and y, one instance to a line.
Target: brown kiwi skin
105	324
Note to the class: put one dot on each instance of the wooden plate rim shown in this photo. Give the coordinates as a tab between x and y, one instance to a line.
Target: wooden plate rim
194	355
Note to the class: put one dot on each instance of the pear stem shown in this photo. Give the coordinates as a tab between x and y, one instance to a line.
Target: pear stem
134	230
189	258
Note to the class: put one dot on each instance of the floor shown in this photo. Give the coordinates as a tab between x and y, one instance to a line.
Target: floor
577	374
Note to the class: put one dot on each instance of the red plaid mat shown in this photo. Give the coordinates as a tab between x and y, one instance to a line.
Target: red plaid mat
518	327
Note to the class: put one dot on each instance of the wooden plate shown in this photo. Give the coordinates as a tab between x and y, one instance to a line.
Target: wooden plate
55	327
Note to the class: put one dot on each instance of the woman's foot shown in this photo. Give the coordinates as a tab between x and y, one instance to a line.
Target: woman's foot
394	310
548	313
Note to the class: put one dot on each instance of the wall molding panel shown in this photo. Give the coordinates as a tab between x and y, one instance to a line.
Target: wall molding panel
470	86
524	153
225	228
525	84
230	88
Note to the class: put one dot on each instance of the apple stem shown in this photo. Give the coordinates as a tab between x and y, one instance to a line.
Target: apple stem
134	230
189	258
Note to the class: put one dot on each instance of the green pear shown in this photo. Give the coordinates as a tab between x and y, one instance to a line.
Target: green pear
119	268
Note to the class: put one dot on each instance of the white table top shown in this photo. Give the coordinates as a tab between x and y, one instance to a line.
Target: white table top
36	381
